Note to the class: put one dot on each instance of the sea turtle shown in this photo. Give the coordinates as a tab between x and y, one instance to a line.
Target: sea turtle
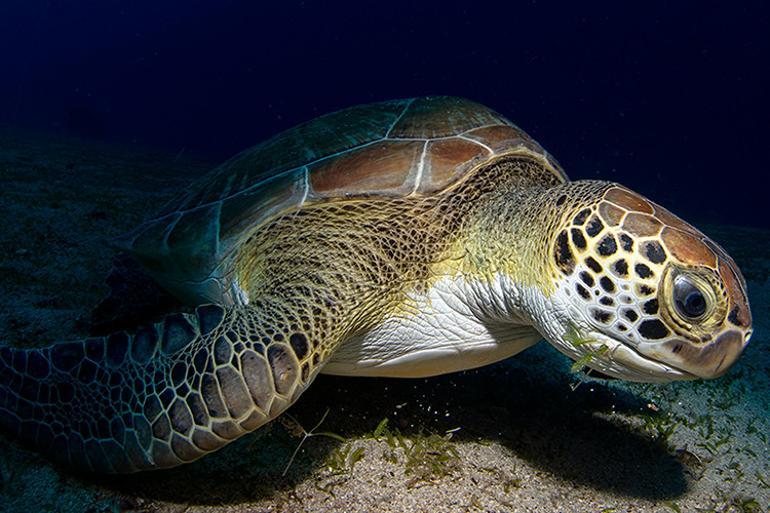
403	238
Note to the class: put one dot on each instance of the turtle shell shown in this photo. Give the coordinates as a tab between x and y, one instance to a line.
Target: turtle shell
406	147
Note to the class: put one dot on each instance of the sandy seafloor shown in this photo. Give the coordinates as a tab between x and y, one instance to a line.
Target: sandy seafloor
521	438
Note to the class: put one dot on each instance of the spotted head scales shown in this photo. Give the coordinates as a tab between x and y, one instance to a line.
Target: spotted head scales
654	299
406	238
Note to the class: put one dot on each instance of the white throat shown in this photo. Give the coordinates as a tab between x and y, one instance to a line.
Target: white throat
456	325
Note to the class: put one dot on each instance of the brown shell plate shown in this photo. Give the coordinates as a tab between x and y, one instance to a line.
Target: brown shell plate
396	148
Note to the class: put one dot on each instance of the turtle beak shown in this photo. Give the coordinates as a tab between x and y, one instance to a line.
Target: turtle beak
628	363
706	361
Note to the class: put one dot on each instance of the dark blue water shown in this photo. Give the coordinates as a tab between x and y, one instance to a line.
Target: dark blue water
671	101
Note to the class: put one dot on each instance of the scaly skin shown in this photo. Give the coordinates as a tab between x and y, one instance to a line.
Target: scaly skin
314	278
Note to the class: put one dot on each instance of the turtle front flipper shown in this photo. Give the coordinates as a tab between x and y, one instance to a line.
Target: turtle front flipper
167	395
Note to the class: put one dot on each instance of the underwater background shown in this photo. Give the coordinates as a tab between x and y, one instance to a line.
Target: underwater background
108	108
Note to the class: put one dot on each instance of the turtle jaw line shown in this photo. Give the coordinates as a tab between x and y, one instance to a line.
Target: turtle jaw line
571	332
625	362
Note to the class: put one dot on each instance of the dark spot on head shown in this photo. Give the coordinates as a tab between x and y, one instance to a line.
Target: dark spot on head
607	284
645	290
676	348
582	291
602	316
643	271
593	264
654	252
587	278
594	226
607	301
607	246
733	317
563	254
622	327
626	242
578	239
651	307
631	315
653	329
561	200
581	217
621	267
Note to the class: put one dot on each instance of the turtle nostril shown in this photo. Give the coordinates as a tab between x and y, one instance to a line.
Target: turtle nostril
747	336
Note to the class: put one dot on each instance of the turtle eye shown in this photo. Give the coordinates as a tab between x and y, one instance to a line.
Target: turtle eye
690	301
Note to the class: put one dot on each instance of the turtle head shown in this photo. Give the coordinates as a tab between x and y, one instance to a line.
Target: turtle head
642	295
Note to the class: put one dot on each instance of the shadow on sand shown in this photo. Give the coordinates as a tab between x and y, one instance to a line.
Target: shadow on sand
535	415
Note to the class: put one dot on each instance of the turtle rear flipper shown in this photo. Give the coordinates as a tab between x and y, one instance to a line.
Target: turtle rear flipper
134	299
164	396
